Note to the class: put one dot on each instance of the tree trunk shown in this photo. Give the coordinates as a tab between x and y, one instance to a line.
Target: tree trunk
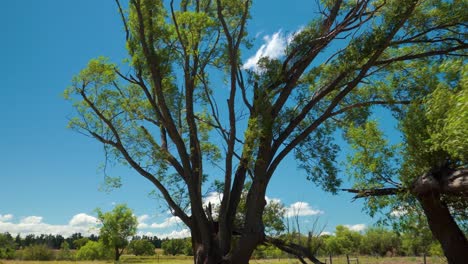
117	254
445	229
201	256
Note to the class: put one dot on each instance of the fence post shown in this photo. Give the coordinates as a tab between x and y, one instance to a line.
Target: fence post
347	258
424	258
331	259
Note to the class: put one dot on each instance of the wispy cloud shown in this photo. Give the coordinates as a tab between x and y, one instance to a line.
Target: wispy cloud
301	209
274	47
357	227
142	221
6	218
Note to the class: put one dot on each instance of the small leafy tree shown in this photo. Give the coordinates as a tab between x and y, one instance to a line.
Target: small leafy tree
173	246
117	227
379	241
141	247
93	250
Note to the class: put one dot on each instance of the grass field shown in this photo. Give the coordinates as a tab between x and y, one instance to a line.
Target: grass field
187	260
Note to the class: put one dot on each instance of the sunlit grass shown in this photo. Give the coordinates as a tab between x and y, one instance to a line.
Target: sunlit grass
162	259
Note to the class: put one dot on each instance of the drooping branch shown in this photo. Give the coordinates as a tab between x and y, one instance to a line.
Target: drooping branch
297	250
118	144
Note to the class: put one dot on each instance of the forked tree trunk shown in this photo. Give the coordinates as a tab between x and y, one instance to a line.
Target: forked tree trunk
445	229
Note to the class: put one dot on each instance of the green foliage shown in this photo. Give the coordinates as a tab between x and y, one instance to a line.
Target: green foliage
379	241
37	252
65	253
78	243
273	214
344	241
176	247
141	247
7	246
268	251
93	250
118	226
161	115
433	129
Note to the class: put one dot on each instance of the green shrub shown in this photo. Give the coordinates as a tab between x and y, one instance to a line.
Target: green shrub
65	252
141	247
94	251
7	246
435	249
173	246
37	252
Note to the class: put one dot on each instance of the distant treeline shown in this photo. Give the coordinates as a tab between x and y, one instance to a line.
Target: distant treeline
75	241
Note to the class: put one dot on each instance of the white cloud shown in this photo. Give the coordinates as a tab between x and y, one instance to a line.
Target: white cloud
176	234
273	48
172	234
214	198
142	221
358	227
171	221
83	220
31	220
272	200
143	218
80	223
326	233
6	218
301	209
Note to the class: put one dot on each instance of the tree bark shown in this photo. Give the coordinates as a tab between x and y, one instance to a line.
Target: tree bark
445	229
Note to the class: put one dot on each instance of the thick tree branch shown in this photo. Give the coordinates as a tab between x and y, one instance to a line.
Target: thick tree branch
297	250
447	182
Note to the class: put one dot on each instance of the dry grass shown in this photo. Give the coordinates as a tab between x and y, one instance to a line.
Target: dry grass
187	260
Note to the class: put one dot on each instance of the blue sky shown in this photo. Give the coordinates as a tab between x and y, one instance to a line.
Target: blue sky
50	176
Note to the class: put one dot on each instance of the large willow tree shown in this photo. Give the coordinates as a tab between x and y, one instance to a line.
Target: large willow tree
168	114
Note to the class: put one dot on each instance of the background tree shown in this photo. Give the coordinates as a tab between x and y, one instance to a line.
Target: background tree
159	115
344	241
379	241
93	250
117	227
78	243
141	247
65	253
173	246
7	246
